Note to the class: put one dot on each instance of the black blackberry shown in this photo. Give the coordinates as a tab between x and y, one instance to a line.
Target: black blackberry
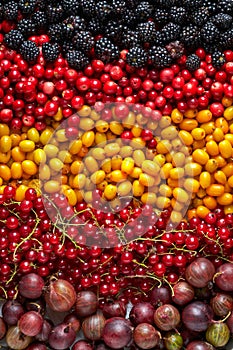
88	8
27	6
77	59
114	31
144	10
55	33
137	57
67	31
130	38
192	3
118	7
71	7
55	14
129	18
161	17
66	47
226	39
175	49
190	35
40	19
26	26
83	41
209	32
211	6
159	56
29	51
10	10
200	16
222	20
76	22
14	39
170	32
192	62
146	31
178	15
225	6
218	59
103	10
50	51
106	50
95	26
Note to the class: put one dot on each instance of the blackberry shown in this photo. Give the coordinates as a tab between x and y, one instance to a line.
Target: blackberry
129	19
83	41
161	17
209	32
77	59
39	18
200	16
27	6
178	15
54	13
14	39
192	3
67	31
103	10
55	33
225	6
159	56
26	27
190	36
114	31
218	59
66	47
88	8
170	32
226	39
175	49
222	20
29	51
10	10
76	22
130	38
50	51
211	6
192	62
137	57
118	7
106	50
95	26
146	31
71	7
144	10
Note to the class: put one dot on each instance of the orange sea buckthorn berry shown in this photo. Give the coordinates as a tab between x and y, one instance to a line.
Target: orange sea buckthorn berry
165	170
215	190
117	176
116	127
220	177
228	169
198	134
138	188
163	202
180	195
204	116
227	101
200	156
188	124
191	113
110	192
221	161
205	179
186	137
17	154
192	169
222	123
16	170
176	116
228	113
101	126
202	211
177	173
148	198
150	167
124	188
146	180
212	148
5	143
127	165
225	199
208	127
88	138
210	202
191	185
106	165
136	172
29	167
211	165
225	149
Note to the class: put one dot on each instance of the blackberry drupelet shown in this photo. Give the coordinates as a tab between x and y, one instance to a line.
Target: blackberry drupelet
159	56
88	8
209	32
144	10
146	31
193	62
137	57
222	20
175	49
14	39
218	59
178	15
161	17
50	51
55	14
40	19
77	59
130	38
27	6
29	51
83	41
225	6
200	16
106	50
26	26
10	10
71	7
170	32
190	36
103	10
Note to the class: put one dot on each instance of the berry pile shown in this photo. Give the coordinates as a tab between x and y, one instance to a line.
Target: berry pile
116	174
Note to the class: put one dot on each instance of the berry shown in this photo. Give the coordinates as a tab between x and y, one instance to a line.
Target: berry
106	50
159	56
29	51
218	59
26	27
83	41
136	57
192	62
77	59
50	51
10	10
14	39
27	6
